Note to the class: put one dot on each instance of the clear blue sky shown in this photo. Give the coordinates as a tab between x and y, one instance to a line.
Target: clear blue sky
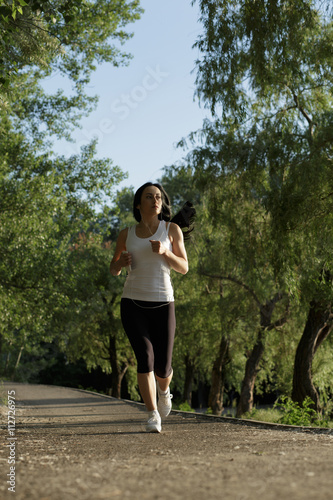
146	107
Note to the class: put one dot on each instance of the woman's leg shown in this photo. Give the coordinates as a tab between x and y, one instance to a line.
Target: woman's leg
164	382
162	335
136	325
141	325
147	386
163	341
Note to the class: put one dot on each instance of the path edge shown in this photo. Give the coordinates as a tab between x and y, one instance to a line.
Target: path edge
197	415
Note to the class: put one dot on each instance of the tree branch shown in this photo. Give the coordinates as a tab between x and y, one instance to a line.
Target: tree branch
234	280
302	110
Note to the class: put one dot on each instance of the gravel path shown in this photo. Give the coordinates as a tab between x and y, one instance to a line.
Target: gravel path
68	444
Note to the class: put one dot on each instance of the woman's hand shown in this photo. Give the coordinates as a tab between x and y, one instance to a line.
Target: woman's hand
177	258
157	247
121	258
125	259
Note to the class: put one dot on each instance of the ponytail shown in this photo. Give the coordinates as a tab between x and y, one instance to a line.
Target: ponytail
185	219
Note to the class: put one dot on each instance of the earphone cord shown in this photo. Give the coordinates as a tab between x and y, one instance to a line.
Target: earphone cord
152	307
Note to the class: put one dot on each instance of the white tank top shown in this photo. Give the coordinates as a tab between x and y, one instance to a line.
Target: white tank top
149	278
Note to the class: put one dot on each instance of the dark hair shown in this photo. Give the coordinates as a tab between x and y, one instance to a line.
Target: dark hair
184	218
166	207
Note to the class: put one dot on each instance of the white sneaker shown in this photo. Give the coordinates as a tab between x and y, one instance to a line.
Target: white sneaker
164	404
154	422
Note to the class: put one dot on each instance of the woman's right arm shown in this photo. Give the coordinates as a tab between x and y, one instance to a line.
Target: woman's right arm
120	259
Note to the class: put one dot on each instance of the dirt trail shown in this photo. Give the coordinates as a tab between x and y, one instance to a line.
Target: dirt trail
74	444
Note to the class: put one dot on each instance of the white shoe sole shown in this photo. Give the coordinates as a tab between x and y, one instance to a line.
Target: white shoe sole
153	428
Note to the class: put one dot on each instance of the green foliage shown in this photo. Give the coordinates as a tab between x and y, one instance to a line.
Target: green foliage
272	82
295	414
185	407
41	207
285	411
264	415
264	165
15	6
68	36
90	318
322	371
46	200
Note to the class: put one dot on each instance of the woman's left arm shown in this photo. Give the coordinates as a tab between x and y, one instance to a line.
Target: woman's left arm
177	258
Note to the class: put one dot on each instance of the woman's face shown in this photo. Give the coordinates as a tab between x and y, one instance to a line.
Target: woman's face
151	201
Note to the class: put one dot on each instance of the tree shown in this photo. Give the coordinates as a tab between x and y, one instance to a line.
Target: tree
38	216
265	72
318	326
216	393
45	199
90	327
190	350
238	255
69	36
93	331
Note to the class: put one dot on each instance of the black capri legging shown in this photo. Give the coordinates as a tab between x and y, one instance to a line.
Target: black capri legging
150	328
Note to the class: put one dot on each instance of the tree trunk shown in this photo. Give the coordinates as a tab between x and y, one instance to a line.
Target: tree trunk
215	399
17	362
318	326
117	372
116	380
189	371
7	364
245	403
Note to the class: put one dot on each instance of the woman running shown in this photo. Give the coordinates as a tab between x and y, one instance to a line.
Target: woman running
149	250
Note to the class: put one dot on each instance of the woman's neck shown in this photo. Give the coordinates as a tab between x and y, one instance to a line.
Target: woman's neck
150	224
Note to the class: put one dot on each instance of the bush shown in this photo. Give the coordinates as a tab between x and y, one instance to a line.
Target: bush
295	414
185	407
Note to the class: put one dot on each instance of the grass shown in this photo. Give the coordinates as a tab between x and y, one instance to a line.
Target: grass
271	415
